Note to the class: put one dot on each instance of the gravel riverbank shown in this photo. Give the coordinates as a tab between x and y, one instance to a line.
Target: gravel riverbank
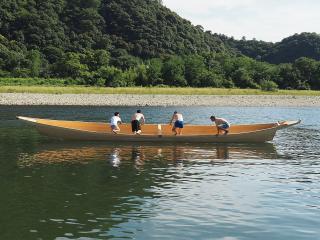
158	100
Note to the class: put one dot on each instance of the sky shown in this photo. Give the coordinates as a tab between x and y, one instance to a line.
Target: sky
267	20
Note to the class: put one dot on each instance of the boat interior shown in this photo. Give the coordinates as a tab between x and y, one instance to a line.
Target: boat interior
154	129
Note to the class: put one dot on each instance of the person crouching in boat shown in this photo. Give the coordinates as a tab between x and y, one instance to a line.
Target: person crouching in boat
115	120
177	120
222	124
137	120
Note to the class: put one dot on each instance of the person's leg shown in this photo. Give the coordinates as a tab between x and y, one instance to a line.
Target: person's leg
133	127
218	131
115	129
224	129
180	127
174	130
138	128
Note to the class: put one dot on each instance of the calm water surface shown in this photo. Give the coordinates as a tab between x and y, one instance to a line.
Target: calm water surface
64	190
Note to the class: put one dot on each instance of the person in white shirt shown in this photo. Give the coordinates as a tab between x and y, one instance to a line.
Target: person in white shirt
222	124
115	120
137	120
177	120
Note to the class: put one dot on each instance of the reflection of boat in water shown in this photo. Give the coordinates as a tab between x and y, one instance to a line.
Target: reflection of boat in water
95	131
139	154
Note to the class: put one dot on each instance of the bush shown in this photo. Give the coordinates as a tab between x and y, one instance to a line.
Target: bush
210	79
37	81
227	83
162	86
269	86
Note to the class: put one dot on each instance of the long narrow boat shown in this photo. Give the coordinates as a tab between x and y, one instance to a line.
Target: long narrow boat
98	131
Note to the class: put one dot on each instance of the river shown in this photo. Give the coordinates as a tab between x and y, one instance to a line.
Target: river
54	189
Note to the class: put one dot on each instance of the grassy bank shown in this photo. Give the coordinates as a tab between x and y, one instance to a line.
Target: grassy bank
151	90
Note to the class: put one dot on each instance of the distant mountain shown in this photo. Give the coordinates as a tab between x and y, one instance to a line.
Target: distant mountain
144	28
286	51
294	47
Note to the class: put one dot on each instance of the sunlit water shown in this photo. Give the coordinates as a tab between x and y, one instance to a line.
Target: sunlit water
69	190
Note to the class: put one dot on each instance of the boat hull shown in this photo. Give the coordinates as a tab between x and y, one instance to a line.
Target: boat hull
54	130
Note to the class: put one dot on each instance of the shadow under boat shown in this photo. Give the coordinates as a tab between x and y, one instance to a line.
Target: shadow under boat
140	153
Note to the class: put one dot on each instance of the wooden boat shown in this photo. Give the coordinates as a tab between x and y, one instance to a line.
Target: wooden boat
98	131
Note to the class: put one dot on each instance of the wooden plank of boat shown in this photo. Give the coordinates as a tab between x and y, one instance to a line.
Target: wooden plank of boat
98	131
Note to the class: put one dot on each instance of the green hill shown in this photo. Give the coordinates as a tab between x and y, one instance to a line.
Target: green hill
140	43
294	47
144	28
286	51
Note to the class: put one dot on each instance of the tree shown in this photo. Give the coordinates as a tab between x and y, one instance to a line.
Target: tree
173	72
114	77
96	59
35	63
121	59
210	79
154	71
267	85
242	79
141	78
71	66
194	70
288	77
307	69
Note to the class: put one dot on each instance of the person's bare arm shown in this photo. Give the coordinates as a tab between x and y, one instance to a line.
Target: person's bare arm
143	120
171	120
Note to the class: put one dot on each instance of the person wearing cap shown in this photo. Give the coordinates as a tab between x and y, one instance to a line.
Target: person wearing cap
177	120
221	124
137	120
115	120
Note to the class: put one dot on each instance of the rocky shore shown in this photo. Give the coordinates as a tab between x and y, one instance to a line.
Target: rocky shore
159	100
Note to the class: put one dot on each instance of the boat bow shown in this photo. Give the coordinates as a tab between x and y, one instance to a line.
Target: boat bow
285	124
27	119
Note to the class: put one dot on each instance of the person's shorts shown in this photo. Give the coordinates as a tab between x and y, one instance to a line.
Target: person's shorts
135	125
224	126
178	124
114	127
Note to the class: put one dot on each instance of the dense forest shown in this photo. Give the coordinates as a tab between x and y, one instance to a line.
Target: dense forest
286	51
141	43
